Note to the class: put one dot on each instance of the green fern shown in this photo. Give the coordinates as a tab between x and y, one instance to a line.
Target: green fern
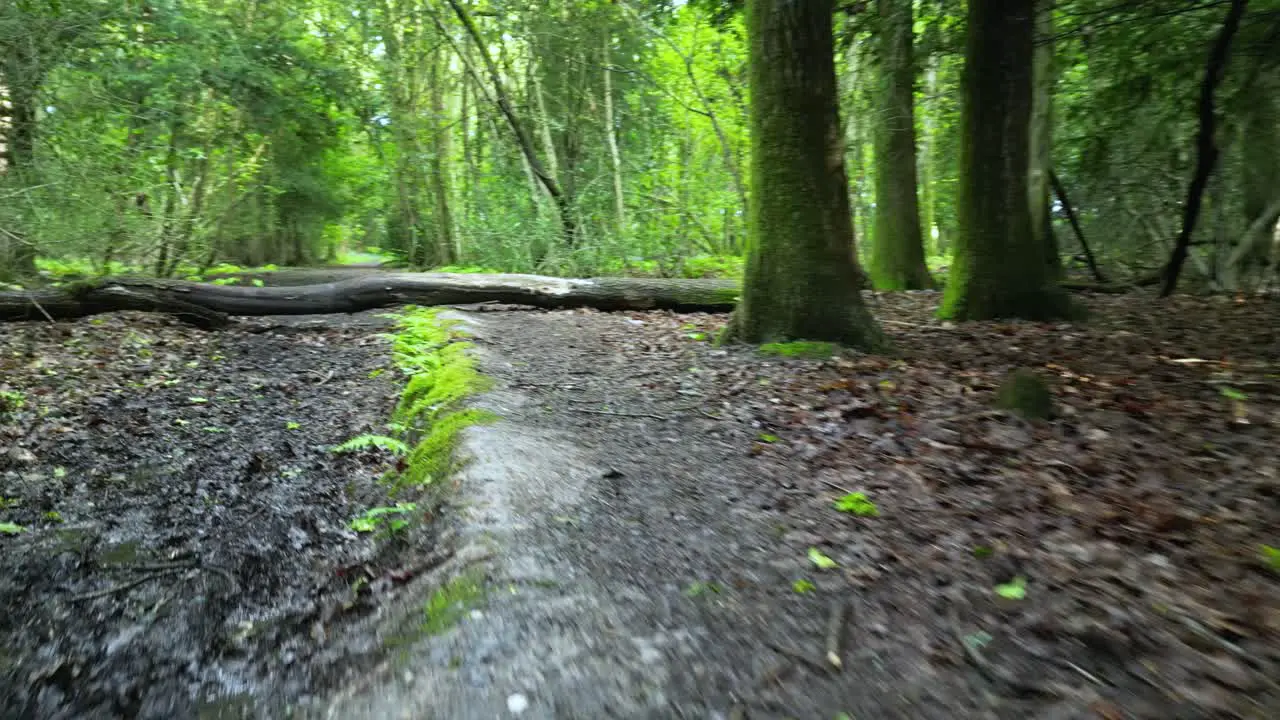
365	442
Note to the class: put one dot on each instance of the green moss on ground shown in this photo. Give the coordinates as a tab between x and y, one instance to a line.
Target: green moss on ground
1026	393
448	605
429	415
801	349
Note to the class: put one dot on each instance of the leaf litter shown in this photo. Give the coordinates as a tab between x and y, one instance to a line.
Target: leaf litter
1115	555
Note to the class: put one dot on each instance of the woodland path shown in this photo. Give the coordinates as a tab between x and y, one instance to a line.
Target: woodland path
647	505
641	519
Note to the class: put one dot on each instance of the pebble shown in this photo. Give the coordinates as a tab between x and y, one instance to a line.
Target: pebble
517	703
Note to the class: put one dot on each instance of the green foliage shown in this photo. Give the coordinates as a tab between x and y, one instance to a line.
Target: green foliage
441	374
713	266
8	528
803	586
375	519
466	269
820	561
699	588
361	443
1015	589
448	605
1024	392
1233	394
857	504
12	401
801	349
767	438
1271	556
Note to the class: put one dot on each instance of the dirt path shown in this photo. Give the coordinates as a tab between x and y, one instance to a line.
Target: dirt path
651	539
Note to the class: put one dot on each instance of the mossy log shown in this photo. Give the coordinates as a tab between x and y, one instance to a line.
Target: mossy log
209	306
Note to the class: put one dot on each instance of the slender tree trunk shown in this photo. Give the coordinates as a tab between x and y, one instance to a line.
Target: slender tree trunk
567	223
1039	191
897	253
1206	145
928	161
445	249
707	110
1061	192
1261	175
802	280
21	77
611	138
998	268
171	197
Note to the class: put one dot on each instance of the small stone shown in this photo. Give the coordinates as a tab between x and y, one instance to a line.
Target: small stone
517	703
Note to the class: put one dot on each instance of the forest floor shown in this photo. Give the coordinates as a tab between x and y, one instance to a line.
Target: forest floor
658	521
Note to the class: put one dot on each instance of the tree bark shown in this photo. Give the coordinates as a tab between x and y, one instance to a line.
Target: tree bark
1206	145
802	281
209	305
897	253
998	268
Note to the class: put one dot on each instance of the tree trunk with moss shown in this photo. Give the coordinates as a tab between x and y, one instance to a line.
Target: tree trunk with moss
897	252
998	268
802	281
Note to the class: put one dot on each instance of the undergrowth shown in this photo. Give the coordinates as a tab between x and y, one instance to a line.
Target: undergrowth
429	416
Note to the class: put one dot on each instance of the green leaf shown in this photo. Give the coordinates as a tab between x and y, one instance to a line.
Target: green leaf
365	442
8	528
696	336
372	518
822	562
291	425
857	504
767	438
982	551
197	400
701	588
258	283
803	586
1015	589
1233	394
1272	556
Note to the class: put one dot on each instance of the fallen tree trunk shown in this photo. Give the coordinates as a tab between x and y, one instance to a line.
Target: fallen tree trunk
209	306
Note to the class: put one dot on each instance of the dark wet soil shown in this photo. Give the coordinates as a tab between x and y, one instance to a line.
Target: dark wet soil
187	549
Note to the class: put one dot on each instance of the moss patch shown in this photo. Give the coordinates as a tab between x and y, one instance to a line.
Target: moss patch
441	373
448	605
813	350
1025	393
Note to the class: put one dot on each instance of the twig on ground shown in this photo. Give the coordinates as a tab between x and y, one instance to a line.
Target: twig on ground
126	586
834	486
618	414
43	312
798	657
915	326
835	628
